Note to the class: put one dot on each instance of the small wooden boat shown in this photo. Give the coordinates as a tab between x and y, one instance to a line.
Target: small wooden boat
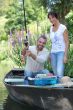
47	97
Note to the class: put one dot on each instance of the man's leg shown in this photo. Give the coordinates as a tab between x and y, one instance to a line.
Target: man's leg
26	75
44	71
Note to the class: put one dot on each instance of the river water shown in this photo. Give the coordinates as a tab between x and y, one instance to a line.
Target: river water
6	103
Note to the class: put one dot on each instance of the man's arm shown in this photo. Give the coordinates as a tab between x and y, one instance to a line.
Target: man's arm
40	59
30	54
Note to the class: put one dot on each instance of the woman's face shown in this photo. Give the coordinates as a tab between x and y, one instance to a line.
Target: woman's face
52	19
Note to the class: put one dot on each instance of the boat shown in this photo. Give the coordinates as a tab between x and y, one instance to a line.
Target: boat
48	97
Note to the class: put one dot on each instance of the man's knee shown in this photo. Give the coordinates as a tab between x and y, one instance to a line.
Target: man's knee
28	73
45	71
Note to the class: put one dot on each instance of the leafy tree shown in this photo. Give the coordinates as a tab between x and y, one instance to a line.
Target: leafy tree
4	5
69	65
15	14
62	7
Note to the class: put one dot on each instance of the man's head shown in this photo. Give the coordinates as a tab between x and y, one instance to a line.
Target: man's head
41	42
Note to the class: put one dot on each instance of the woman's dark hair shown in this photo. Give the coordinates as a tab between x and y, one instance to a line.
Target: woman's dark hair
53	14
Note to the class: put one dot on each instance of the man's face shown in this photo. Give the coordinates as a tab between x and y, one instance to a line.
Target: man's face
41	43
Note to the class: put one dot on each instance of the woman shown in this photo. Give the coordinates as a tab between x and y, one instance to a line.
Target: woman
60	44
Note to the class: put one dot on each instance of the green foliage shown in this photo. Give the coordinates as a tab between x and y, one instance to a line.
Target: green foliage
15	14
13	24
69	65
62	7
3	50
69	20
15	42
3	36
15	17
4	5
3	56
43	3
16	56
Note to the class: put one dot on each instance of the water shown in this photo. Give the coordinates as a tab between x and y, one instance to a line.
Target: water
6	103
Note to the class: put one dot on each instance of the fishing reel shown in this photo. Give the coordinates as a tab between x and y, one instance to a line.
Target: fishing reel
26	43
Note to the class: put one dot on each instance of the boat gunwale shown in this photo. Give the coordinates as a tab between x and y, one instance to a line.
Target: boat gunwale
34	86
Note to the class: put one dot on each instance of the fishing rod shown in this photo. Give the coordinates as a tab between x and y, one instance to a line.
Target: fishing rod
24	17
25	25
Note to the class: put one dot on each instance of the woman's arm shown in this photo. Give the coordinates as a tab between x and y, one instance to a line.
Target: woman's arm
66	39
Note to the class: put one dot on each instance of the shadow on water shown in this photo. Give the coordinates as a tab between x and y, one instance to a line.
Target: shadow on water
9	104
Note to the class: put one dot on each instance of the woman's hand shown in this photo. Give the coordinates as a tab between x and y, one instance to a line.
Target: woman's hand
65	59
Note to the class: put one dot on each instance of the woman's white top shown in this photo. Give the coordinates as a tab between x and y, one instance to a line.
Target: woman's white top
57	38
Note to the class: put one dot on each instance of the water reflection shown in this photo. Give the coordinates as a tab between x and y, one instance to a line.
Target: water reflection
61	103
9	104
3	95
6	103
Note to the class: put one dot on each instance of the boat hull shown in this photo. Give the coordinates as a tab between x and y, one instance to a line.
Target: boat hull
40	96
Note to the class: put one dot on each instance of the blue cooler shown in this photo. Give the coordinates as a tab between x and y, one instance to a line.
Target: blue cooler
45	81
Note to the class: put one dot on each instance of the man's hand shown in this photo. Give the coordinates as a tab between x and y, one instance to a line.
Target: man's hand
23	52
28	53
22	59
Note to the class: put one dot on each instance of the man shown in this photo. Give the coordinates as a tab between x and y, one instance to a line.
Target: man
36	58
